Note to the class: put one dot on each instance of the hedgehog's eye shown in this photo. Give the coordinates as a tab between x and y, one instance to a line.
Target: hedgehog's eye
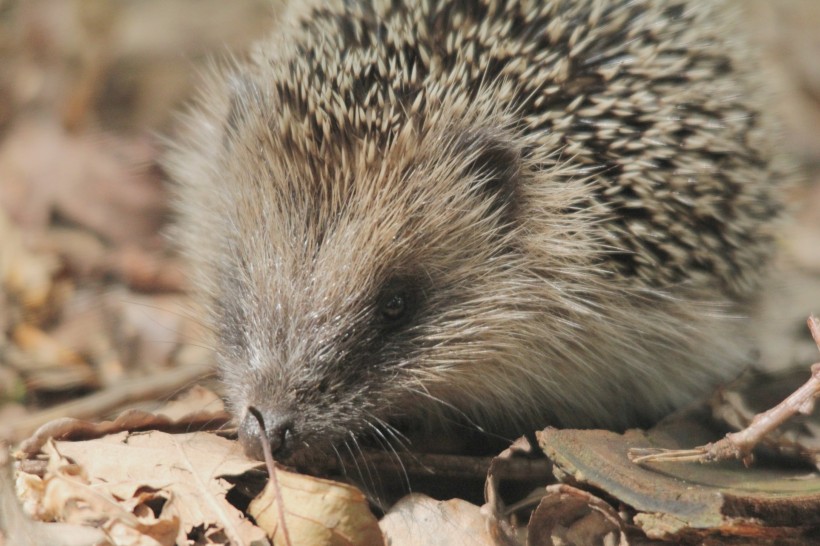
394	307
396	304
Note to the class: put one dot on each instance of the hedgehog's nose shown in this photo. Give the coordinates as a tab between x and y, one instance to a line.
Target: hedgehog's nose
276	428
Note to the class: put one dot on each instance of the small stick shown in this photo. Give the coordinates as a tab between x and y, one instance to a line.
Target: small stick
127	392
739	445
274	480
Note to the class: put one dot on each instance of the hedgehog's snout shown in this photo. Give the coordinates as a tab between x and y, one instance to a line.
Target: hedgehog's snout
274	426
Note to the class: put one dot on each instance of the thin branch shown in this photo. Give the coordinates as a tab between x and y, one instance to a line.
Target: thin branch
739	445
124	393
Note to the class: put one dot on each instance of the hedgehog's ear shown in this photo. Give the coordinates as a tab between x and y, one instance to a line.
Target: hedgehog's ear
493	166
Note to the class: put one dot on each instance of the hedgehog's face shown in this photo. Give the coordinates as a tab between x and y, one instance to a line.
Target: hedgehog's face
356	293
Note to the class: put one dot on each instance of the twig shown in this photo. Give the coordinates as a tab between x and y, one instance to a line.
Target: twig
133	420
739	445
127	392
274	479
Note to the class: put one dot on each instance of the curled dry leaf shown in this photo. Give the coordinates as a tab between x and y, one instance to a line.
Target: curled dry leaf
140	484
43	348
102	182
418	520
17	529
24	274
683	501
316	511
295	508
67	428
567	515
66	494
147	271
47	364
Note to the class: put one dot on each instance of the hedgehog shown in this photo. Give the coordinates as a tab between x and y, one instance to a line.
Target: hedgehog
482	214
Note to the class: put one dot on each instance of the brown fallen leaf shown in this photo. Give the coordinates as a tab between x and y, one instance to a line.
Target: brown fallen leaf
47	364
677	501
299	509
44	348
25	275
102	182
418	520
66	494
516	473
47	423
146	271
308	510
133	420
567	515
182	474
17	529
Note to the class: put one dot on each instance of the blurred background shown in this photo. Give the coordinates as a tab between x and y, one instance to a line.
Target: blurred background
89	291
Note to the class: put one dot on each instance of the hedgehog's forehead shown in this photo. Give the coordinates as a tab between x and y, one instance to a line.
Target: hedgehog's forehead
363	176
366	209
347	184
331	255
332	235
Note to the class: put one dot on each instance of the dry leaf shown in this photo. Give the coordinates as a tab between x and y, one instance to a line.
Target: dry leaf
683	500
146	271
66	494
315	511
44	348
100	182
185	470
46	363
418	520
567	515
194	401
24	274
